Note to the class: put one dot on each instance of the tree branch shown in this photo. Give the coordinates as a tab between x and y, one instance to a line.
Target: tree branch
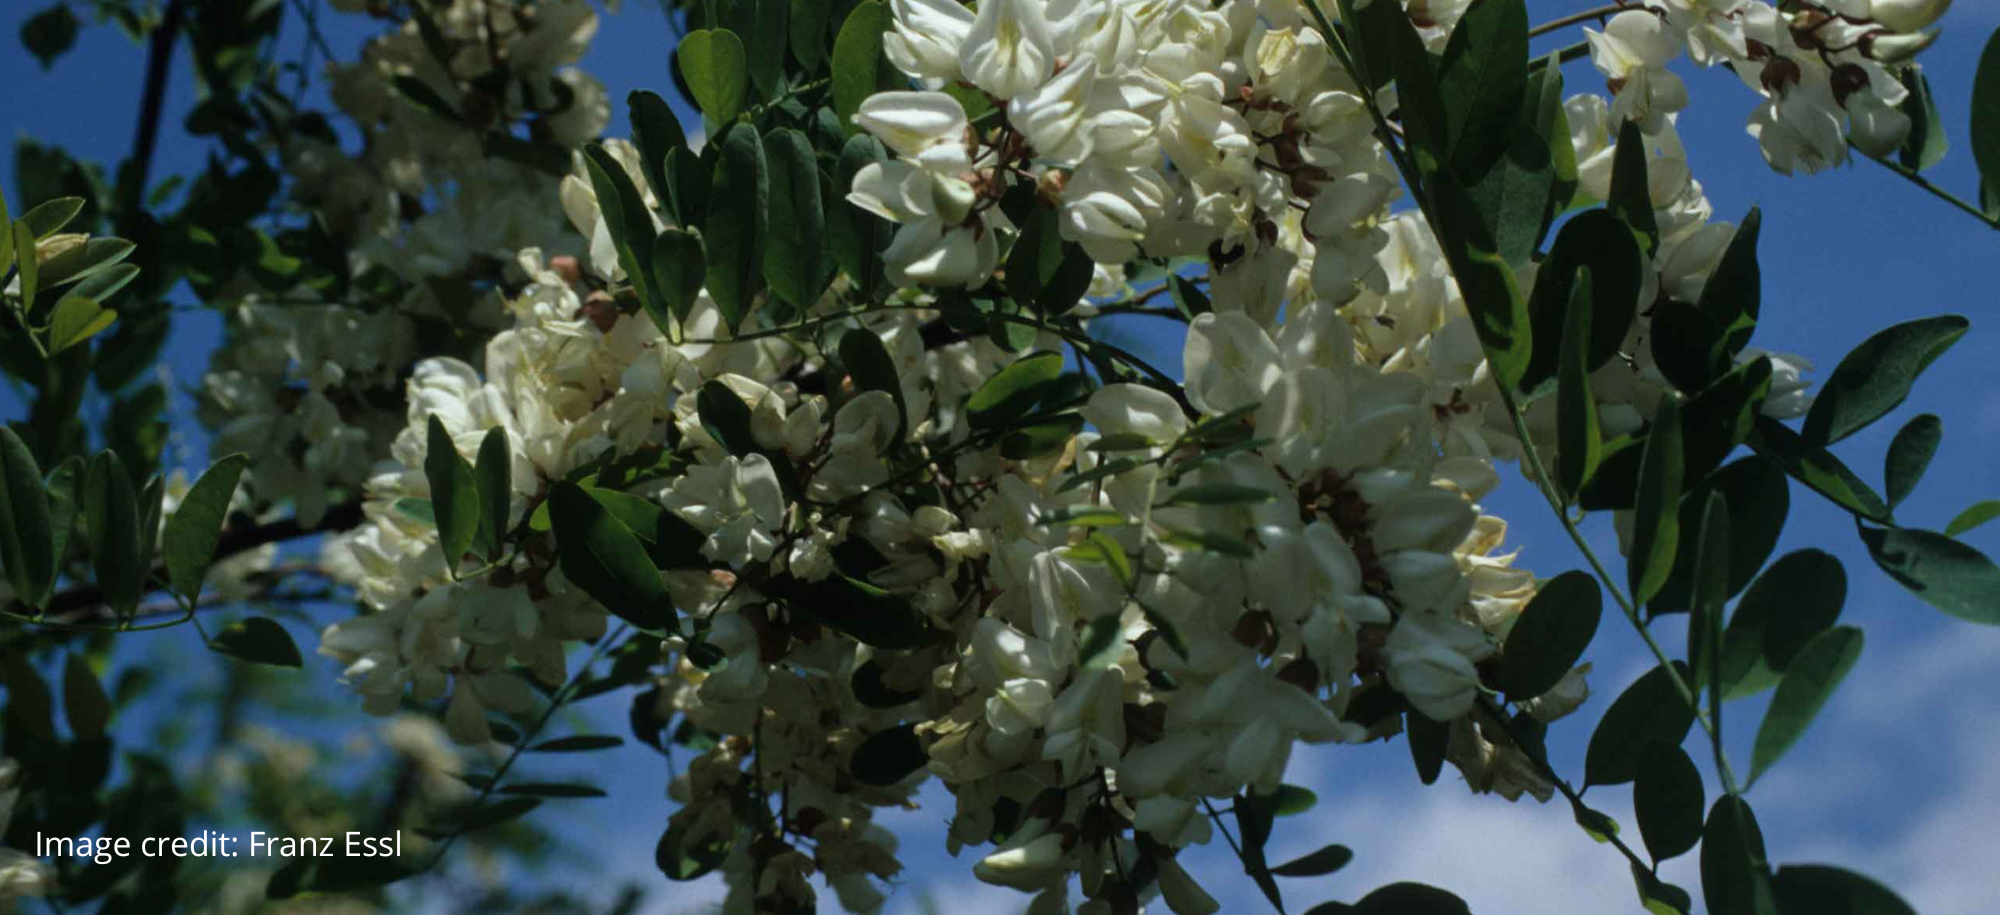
159	60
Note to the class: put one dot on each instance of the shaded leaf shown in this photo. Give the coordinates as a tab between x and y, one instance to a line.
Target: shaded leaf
259	641
454	495
1877	376
713	62
602	556
1551	635
111	520
1910	455
1941	571
1649	711
1668	798
195	528
1809	681
1656	519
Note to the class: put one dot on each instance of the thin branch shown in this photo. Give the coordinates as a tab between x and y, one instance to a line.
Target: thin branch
1911	175
1600	13
159	61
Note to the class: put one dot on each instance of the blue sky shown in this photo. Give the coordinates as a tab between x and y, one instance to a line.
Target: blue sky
1893	780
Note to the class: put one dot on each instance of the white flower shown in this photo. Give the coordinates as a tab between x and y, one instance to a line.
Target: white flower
1230	362
1135	409
927	37
1008	51
927	127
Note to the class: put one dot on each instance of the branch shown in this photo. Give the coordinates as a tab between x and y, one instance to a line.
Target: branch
85	603
1600	13
159	58
1920	181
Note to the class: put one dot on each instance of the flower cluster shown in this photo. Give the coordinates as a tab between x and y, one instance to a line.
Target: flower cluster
427	216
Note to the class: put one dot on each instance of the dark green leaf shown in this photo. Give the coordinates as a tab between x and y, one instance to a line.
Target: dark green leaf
726	418
49	33
869	614
27	272
1650	711
1656	520
1212	542
679	268
766	30
337	874
683	858
65	492
1688	346
1492	297
859	68
627	220
1809	681
196	526
50	216
1818	469
1795	599
1735	877
793	264
1550	636
1218	494
1291	800
1412	898
1927	144
1029	442
1631	192
734	230
1910	455
1822	890
1986	114
889	756
602	556
85	705
582	743
111	518
552	789
1481	80
76	320
1668	798
25	543
454	495
712	61
656	133
1317	864
259	641
1428	742
1759	501
1013	391
1733	294
1187	296
1518	194
809	32
1877	376
495	478
855	235
1722	417
1603	244
1943	572
868	362
1660	897
1579	439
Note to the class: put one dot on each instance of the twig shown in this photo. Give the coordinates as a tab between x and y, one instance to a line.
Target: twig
1599	13
159	60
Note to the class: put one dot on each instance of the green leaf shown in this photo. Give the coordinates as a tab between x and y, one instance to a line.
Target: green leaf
259	641
1428	742
602	556
1649	711
1735	877
27	268
726	418
1910	455
1878	375
793	260
581	743
869	614
1519	193
628	221
1481	79
670	541
1796	599
1660	897
1941	571
855	235
77	319
1081	515
1100	547
1733	294
425	96
454	495
1030	442
25	532
657	133
80	262
1818	469
337	874
1722	417
766	30
735	229
679	268
808	32
1656	519
1426	117
1412	898
712	61
1550	636
111	518
868	362
65	494
1492	296
1711	595
1580	441
495	480
1101	637
1668	798
1218	494
195	528
1809	681
1604	245
683	858
1631	192
1188	297
1291	800
889	756
85	705
50	216
859	68
497	812
1986	113
1317	864
1823	890
552	790
49	33
1210	542
1972	517
1688	346
1013	391
1759	501
1926	145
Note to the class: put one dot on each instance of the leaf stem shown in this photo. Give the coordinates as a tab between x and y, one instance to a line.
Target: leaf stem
1598	13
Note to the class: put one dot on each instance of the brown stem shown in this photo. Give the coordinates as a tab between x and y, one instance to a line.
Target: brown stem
159	60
